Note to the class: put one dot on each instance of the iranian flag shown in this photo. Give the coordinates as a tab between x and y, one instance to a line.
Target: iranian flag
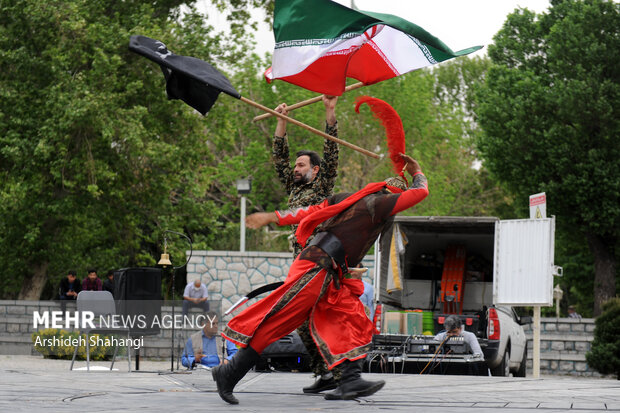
320	43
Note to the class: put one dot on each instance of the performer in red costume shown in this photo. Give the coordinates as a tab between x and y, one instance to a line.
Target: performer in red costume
318	286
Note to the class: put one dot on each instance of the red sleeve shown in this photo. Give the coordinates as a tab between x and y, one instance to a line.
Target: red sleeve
294	216
416	193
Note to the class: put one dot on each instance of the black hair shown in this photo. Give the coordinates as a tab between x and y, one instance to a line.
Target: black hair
90	270
452	322
72	272
315	159
110	272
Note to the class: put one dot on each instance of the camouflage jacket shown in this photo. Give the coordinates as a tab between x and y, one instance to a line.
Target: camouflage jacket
313	192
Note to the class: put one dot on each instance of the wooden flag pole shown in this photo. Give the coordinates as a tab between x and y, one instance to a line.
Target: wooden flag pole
310	128
306	102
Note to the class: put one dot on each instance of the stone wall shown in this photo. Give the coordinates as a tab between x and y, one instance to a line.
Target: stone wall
16	328
229	275
564	343
16	325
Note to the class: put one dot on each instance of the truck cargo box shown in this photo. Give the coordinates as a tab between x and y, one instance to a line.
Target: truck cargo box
474	267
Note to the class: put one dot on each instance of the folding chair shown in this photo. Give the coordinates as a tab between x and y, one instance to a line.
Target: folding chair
100	303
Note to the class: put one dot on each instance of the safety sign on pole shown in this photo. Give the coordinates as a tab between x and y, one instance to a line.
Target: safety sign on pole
538	206
538	209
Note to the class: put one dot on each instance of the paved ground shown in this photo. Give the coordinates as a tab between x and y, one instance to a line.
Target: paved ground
33	384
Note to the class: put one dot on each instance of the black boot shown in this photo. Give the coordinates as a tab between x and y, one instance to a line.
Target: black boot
352	385
227	375
321	385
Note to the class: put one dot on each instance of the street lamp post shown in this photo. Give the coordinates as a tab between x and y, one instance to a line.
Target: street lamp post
165	262
244	186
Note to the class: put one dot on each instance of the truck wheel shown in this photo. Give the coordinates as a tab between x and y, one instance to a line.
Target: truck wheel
503	368
523	365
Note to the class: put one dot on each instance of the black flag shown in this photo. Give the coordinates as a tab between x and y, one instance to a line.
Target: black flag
192	80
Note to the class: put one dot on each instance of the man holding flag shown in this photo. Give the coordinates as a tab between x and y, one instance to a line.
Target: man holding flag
312	179
309	183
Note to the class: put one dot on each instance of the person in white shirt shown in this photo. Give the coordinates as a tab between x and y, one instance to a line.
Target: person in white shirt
454	328
195	295
572	313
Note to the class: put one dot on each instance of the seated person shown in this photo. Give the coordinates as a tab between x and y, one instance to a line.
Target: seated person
205	346
572	313
195	295
454	328
70	287
108	285
92	282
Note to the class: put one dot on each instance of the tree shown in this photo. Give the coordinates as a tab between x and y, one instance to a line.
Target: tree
550	113
572	252
94	161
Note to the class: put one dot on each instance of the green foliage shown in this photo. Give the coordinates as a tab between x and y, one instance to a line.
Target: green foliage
50	342
240	9
550	114
572	252
95	162
605	353
550	110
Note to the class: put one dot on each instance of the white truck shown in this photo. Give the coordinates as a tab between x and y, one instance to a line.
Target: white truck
500	268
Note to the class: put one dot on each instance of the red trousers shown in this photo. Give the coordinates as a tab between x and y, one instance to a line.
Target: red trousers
338	324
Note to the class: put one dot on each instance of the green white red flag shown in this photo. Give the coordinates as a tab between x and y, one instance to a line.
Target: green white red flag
320	43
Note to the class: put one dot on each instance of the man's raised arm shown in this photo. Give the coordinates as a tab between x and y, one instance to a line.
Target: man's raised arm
280	150
329	164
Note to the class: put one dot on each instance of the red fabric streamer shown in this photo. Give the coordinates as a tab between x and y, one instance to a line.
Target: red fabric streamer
393	129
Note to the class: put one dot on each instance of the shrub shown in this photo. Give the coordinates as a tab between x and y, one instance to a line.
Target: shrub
605	353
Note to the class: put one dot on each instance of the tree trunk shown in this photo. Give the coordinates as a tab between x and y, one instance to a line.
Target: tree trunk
604	270
32	286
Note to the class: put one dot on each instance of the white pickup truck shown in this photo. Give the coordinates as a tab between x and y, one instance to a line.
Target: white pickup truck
490	256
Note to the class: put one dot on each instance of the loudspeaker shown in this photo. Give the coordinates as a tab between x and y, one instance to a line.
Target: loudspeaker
137	292
141	283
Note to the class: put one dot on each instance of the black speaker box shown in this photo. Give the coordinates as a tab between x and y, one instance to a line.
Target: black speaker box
137	292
